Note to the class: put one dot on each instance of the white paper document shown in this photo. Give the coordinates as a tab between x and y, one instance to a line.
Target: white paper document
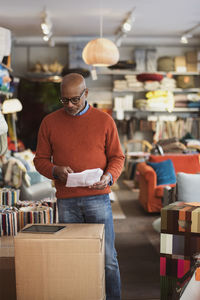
85	178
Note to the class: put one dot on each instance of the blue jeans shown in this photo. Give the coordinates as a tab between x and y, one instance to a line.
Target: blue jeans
96	209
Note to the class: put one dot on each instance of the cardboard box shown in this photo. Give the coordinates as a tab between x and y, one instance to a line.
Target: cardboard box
180	64
68	264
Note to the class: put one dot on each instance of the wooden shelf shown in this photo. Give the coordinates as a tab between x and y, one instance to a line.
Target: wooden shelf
107	71
176	109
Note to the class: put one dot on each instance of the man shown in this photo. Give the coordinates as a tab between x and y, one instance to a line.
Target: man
75	138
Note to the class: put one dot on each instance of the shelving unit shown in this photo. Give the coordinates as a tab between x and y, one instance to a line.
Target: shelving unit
119	74
107	71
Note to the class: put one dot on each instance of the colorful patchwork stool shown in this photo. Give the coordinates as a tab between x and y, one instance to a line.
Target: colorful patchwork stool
179	243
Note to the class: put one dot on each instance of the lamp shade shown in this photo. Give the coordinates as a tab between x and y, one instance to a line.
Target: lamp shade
5	42
100	52
11	106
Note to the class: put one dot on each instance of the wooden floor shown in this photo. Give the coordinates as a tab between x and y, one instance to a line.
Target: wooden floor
137	246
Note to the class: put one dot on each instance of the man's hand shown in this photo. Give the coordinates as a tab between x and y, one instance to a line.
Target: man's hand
102	184
62	173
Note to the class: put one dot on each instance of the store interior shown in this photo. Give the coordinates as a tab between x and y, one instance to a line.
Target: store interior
145	74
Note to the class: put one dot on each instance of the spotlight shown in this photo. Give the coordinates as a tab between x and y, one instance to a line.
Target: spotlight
45	38
184	39
126	27
46	26
189	34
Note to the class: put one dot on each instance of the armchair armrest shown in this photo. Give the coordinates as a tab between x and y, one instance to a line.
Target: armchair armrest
169	195
147	172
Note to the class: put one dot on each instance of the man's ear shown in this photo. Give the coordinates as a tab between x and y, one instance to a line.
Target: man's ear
86	92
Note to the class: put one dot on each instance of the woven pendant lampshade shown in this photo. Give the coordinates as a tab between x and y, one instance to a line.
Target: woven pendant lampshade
100	52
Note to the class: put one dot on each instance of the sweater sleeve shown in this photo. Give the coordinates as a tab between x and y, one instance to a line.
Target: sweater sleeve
115	156
42	160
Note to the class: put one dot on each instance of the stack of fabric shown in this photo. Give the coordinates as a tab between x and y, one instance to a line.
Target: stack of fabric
194	100
133	84
180	100
160	100
120	85
187	100
151	85
168	84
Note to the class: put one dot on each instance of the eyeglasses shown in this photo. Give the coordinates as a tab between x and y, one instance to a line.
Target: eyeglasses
73	100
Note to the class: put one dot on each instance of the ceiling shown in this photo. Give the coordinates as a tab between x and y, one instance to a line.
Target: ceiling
77	19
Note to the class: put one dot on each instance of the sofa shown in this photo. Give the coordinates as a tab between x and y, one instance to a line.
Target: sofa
151	194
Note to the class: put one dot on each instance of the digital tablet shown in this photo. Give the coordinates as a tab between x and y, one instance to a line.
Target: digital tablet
43	228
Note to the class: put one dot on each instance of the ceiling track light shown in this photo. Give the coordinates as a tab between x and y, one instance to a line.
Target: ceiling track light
46	27
125	27
188	34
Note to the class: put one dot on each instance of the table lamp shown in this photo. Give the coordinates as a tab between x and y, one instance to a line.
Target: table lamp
12	106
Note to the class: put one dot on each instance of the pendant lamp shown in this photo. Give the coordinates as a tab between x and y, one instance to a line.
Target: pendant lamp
100	52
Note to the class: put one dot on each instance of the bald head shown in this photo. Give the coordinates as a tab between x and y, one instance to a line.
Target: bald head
73	86
73	80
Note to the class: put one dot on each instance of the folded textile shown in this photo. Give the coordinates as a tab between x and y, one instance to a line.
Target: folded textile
85	178
149	76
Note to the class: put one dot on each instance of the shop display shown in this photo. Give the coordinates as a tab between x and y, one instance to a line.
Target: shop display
180	241
9	197
8	220
32	215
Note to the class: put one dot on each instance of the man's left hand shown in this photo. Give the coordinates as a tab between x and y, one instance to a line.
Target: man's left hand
102	184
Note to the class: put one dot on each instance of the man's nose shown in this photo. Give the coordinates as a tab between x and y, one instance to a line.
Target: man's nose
69	104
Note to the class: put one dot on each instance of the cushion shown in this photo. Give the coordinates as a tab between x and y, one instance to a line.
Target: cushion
165	172
149	76
36	177
188	187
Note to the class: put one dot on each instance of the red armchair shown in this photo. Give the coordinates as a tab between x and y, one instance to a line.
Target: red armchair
151	194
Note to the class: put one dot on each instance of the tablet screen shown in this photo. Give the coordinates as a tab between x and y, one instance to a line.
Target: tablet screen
43	228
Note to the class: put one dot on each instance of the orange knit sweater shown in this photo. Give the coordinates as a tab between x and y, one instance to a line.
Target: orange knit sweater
81	142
